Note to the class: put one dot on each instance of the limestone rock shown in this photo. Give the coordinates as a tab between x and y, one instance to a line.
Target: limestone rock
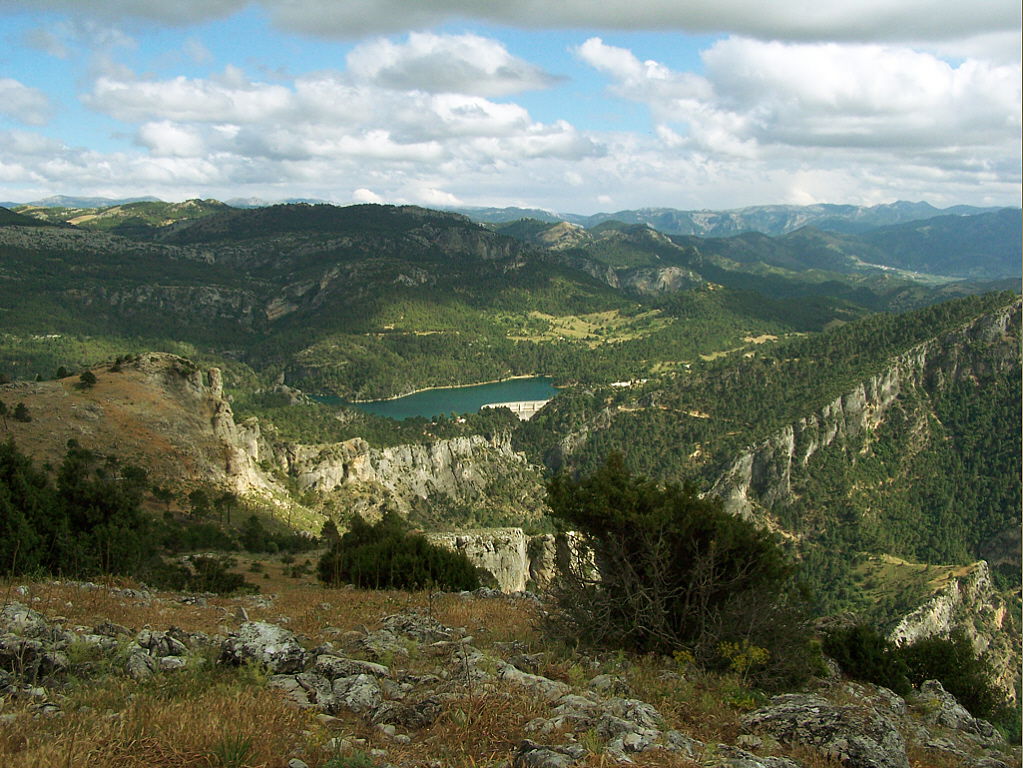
263	643
140	665
360	693
533	755
943	709
333	667
859	736
544	687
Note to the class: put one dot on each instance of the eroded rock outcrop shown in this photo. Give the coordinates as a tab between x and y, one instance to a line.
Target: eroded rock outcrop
857	734
969	603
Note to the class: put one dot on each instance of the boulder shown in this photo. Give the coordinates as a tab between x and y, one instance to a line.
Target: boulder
259	642
332	667
360	693
533	755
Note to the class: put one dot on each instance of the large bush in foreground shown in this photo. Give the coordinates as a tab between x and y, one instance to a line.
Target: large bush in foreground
386	555
674	572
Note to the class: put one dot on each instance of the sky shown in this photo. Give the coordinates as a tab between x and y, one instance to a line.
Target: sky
574	106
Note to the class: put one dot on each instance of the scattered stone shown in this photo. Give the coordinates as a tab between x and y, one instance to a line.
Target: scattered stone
332	667
139	665
418	626
171	663
20	620
360	694
734	757
542	686
264	643
110	629
533	755
384	644
859	736
409	714
160	643
296	763
609	685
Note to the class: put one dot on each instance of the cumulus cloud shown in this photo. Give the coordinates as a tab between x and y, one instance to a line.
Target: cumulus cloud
340	129
917	21
165	139
24	104
363	195
229	98
466	64
757	97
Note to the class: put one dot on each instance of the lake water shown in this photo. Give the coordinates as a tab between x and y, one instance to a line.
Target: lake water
434	402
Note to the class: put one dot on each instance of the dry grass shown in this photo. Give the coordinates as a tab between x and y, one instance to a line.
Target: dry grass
195	718
214	716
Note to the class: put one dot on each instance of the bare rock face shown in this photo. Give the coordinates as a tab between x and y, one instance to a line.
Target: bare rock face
970	603
943	709
462	468
502	552
859	736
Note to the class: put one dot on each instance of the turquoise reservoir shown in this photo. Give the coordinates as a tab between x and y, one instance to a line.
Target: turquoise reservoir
434	402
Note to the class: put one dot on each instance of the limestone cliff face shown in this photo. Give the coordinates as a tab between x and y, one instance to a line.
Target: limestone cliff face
516	561
969	602
229	453
502	552
463	469
761	475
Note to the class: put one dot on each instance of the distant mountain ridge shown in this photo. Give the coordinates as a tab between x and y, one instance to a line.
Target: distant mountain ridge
767	219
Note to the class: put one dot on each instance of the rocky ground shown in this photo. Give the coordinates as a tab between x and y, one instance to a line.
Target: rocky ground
105	674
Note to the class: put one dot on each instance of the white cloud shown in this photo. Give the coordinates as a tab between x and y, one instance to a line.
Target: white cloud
363	195
757	99
165	139
228	99
24	104
431	196
464	64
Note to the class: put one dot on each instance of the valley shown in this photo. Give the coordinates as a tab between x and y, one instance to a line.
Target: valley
854	391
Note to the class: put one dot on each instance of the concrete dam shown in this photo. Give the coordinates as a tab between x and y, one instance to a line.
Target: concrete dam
524	409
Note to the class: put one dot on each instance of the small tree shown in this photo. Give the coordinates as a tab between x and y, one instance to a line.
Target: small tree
329	534
21	413
87	380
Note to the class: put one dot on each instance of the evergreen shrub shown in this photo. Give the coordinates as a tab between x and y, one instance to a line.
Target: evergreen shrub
387	555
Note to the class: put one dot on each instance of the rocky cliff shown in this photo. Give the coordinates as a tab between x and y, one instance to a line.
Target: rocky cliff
167	414
761	476
470	470
517	561
969	602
